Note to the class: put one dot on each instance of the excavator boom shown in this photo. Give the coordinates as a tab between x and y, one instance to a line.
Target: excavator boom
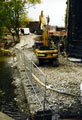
44	27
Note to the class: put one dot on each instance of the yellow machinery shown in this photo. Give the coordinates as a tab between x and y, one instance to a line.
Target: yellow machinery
45	49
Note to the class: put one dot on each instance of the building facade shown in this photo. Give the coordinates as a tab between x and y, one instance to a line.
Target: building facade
74	41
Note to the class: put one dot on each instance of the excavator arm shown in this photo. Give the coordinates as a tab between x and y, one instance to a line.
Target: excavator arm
44	28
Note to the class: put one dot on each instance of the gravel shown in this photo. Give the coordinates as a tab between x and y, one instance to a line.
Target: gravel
66	78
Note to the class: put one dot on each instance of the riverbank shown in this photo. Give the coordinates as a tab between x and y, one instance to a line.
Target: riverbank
8	105
4	117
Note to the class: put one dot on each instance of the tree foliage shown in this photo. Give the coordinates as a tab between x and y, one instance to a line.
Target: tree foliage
12	14
1	22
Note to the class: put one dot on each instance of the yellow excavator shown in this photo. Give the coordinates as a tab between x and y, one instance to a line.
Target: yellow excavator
44	47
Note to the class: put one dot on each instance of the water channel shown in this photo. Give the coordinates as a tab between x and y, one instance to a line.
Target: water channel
7	103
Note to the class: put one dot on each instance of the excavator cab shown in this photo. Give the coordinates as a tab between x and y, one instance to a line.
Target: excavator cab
44	47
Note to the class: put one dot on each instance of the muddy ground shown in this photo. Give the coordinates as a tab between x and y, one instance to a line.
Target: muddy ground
65	78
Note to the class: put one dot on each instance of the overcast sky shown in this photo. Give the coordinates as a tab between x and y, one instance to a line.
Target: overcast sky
54	8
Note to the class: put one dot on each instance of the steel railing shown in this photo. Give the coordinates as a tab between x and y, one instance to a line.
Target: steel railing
37	78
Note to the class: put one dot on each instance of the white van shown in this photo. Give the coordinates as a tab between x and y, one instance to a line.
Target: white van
26	31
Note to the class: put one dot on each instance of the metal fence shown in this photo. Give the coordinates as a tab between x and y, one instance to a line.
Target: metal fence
37	78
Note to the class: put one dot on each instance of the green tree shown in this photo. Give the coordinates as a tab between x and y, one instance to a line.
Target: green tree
12	14
1	22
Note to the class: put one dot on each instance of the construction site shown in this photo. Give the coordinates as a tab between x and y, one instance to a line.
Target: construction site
47	68
49	90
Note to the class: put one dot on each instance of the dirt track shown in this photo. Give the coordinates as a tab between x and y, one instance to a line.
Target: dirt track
66	76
